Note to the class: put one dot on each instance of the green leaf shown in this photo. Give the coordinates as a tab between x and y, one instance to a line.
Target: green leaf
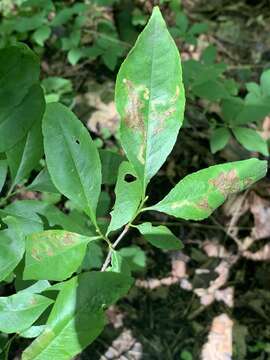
21	97
74	55
160	236
150	99
265	83
78	315
33	331
72	158
219	139
110	162
134	256
199	194
12	247
251	140
3	173
42	34
18	312
25	155
43	183
128	192
54	254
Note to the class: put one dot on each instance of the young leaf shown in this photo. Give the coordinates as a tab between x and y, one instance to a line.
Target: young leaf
160	236
72	158
78	315
150	99
12	247
128	192
21	97
219	139
25	155
54	254
18	312
251	140
199	194
3	173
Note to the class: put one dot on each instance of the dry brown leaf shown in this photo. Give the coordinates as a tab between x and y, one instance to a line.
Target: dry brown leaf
125	347
261	255
265	133
260	209
105	117
214	249
219	344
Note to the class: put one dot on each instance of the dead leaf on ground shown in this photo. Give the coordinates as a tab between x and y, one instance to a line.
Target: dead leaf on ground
219	344
125	347
260	208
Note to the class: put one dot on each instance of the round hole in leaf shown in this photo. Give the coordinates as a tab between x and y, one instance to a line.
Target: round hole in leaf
129	178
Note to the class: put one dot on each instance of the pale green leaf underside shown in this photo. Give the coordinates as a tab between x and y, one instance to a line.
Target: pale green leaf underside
18	312
72	158
199	194
54	254
77	317
150	99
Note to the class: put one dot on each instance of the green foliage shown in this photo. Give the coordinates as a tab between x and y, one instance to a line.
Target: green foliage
40	241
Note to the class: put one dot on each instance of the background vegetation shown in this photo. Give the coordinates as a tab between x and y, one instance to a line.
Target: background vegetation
225	50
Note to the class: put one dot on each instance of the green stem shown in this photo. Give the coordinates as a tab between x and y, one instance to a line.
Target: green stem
120	237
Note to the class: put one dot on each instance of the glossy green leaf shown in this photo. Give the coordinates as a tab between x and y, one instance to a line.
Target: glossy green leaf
54	254
18	312
199	194
3	173
25	155
150	99
21	97
251	140
72	158
12	246
77	317
265	83
219	139
160	236
128	192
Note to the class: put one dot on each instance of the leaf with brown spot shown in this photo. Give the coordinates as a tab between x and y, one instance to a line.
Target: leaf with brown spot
54	254
150	99
199	194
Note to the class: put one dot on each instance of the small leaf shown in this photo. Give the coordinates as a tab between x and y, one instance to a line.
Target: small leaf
199	194
78	315
54	254
18	312
150	99
21	97
128	193
160	236
42	34
134	256
251	140
72	158
43	183
74	55
219	139
12	247
25	155
3	173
